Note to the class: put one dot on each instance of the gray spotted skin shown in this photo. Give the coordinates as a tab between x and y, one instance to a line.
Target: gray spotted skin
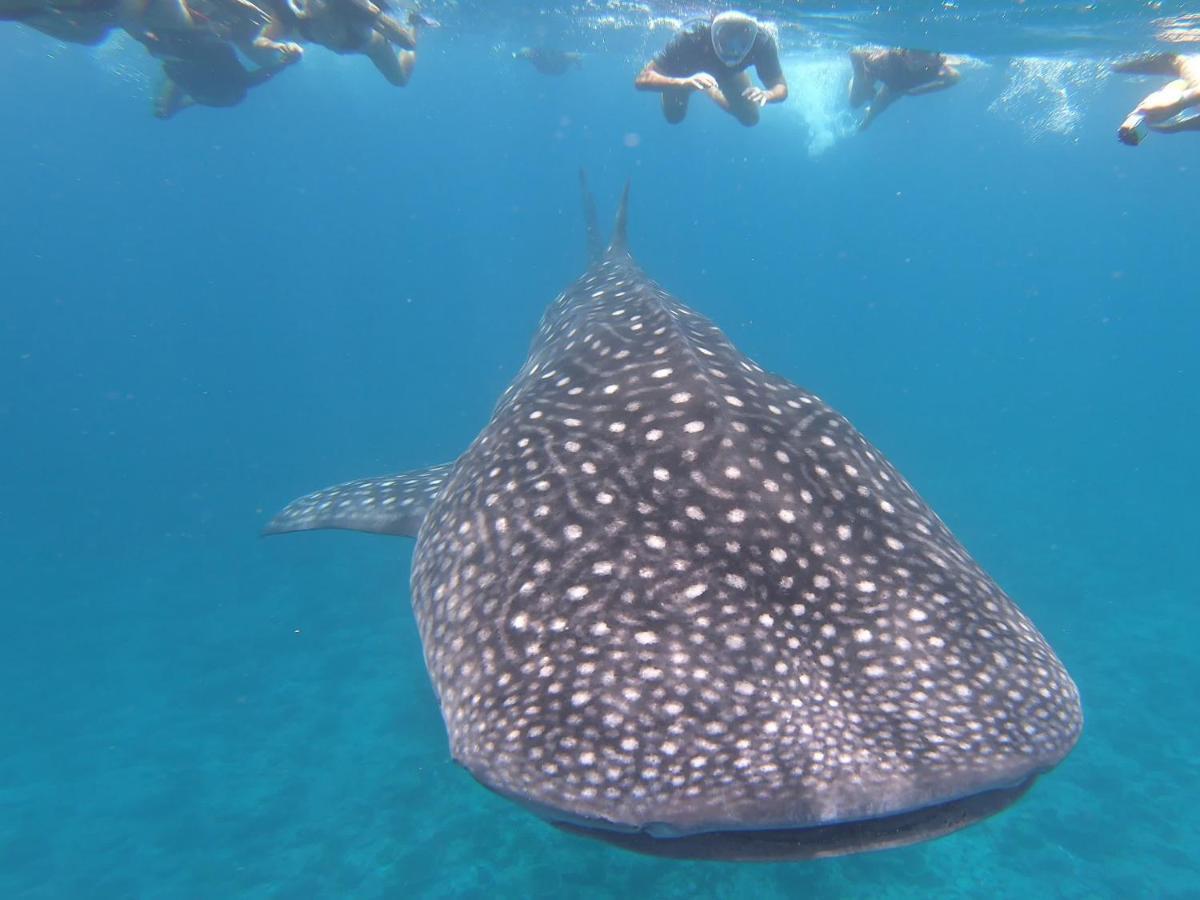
391	504
667	591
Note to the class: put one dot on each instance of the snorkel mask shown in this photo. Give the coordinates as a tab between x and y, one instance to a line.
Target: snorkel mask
733	35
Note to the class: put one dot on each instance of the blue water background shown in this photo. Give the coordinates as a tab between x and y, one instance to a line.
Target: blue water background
203	318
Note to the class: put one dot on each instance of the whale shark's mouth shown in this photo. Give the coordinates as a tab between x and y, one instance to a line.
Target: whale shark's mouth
817	841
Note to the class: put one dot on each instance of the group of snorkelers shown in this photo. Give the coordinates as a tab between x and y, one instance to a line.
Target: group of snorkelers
712	57
195	41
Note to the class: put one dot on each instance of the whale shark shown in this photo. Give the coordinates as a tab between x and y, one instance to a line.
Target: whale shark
672	601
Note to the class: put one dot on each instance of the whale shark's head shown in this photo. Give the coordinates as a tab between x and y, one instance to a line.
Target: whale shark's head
676	602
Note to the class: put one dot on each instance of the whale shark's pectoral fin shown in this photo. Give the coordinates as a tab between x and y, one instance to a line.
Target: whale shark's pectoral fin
391	504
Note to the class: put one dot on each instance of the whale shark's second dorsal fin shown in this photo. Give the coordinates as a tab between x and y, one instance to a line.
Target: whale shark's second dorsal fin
391	504
595	247
620	241
619	244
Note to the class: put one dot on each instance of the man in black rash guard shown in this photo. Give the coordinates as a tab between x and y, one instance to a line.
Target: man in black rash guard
713	57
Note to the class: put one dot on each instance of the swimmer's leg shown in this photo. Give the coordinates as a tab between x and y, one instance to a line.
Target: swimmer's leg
674	105
403	37
1165	103
862	86
947	77
728	95
1149	64
170	100
885	98
395	65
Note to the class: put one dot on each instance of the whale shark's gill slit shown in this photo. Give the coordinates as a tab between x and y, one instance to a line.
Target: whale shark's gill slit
390	504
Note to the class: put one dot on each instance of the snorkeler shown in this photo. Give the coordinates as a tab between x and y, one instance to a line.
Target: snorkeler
900	72
361	26
1163	110
85	22
713	57
549	61
200	68
90	21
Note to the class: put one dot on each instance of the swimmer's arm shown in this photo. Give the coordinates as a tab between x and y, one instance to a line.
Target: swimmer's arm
650	79
885	98
777	92
770	73
947	79
267	48
1149	64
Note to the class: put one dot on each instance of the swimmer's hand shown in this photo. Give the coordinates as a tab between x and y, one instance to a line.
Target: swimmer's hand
757	96
701	81
290	52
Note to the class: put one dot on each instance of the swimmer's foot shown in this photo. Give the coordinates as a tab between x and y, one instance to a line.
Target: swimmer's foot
405	60
860	85
166	102
416	17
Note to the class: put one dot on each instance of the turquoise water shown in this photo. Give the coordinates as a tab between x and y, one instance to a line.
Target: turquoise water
206	317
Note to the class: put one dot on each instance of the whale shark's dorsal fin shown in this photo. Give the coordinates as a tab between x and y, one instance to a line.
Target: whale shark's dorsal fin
619	244
390	504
